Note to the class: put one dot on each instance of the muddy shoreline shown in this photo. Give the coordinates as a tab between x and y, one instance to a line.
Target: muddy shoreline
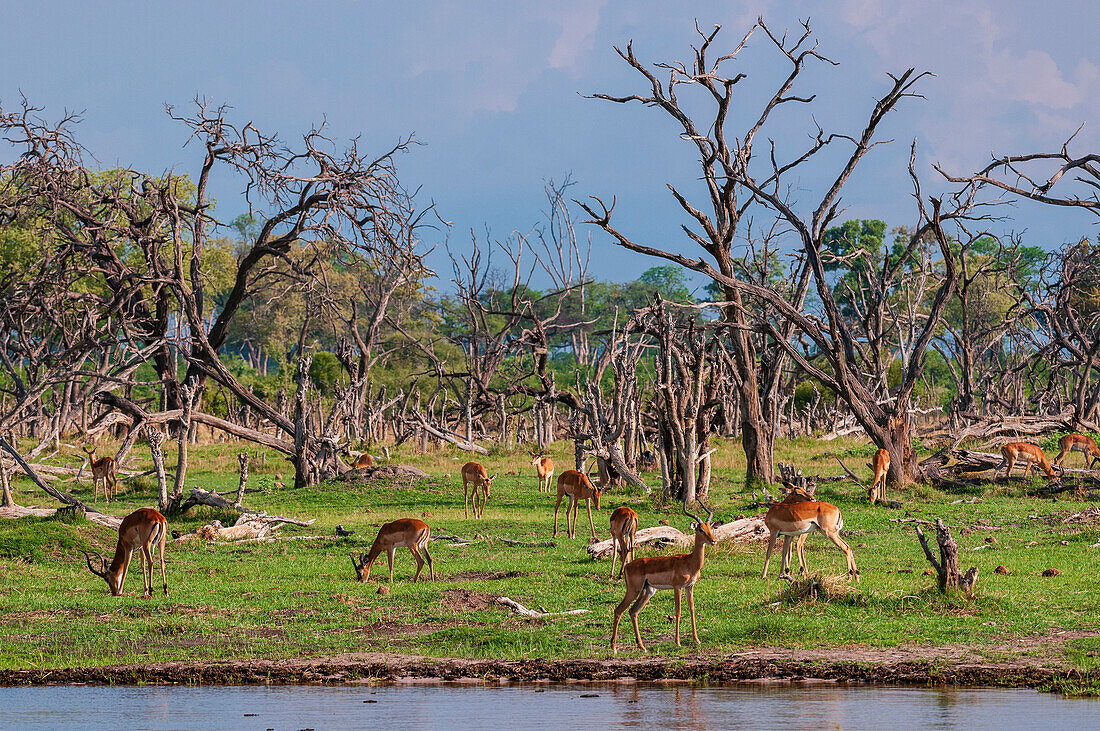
709	669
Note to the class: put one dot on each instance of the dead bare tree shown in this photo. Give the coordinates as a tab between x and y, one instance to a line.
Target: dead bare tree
764	185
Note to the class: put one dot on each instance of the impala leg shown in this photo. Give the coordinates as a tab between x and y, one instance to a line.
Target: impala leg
389	556
676	593
571	523
647	594
803	568
419	562
588	504
614	554
465	500
631	595
849	555
147	568
428	556
785	562
691	605
125	569
768	556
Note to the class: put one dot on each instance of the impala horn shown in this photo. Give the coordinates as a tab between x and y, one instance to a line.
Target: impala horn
101	574
710	513
692	515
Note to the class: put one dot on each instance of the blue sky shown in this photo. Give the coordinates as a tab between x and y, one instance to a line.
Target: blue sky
494	91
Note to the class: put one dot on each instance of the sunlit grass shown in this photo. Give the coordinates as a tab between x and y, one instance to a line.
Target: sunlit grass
299	598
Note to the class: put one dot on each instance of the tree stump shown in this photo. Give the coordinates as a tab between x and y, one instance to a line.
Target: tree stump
947	568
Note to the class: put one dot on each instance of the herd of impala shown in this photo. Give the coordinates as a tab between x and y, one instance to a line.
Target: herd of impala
793	518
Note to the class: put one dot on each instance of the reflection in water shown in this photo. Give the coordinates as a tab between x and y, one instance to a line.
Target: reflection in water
622	705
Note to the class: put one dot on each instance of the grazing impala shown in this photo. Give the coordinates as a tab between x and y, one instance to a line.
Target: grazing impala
624	525
1077	443
473	473
578	487
140	529
880	463
104	468
798	516
1032	454
362	460
409	532
644	576
544	467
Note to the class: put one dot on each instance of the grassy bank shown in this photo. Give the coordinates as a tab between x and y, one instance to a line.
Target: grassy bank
299	598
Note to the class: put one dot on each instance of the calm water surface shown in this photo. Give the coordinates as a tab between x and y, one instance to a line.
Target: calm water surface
537	707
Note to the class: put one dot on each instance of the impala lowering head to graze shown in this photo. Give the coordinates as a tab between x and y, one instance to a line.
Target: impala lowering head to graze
105	469
361	459
476	475
140	529
644	576
1032	454
624	526
578	487
544	468
797	517
409	532
880	464
1077	443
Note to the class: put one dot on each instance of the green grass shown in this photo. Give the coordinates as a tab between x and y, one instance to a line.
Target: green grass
299	598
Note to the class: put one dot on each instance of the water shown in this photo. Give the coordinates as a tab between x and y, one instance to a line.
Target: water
821	706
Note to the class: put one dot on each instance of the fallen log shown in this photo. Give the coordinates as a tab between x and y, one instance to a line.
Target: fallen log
742	530
395	472
518	608
15	511
199	496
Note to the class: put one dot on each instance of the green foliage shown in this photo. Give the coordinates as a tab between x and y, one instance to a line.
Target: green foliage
325	371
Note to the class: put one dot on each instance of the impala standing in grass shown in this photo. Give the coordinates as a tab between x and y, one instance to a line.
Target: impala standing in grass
644	576
624	526
140	529
544	467
881	465
105	469
578	487
798	516
1077	443
409	532
478	476
1032	454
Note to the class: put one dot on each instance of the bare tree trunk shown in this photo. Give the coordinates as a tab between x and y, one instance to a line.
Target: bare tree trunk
242	457
947	568
187	394
156	439
6	499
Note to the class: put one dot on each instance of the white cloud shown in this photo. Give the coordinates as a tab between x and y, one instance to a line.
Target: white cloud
578	33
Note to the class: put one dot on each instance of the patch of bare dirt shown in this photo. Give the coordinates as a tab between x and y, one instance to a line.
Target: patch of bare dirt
464	600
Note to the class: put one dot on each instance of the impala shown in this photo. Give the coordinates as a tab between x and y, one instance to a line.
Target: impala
544	467
578	487
362	460
799	516
409	532
880	463
624	525
140	529
1077	443
473	473
1030	453
104	468
644	576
